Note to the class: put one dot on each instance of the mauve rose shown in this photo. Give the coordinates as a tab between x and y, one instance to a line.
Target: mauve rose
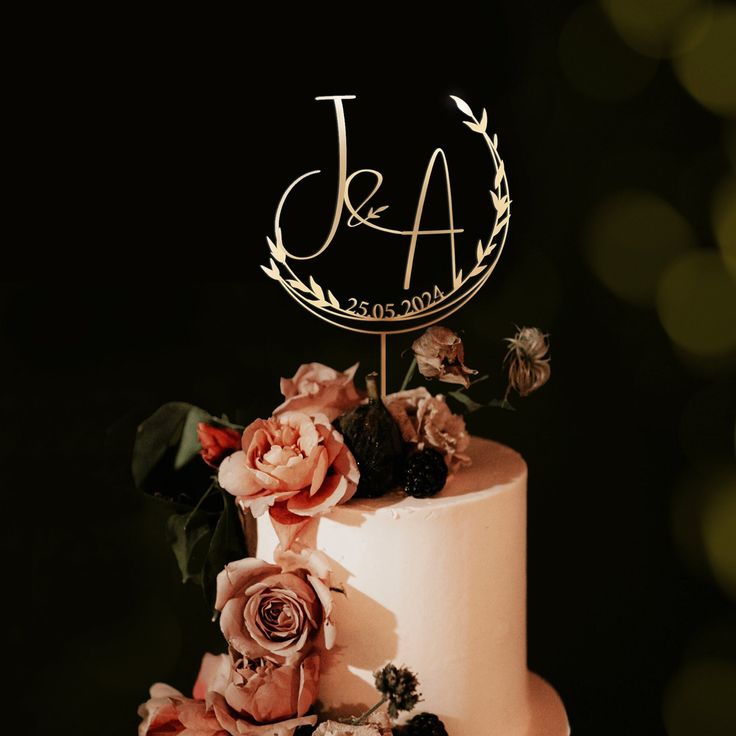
319	389
439	354
169	713
268	692
276	612
217	443
210	713
295	462
427	421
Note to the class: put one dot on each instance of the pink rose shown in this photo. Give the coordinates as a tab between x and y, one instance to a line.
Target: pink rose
319	389
168	713
267	691
279	698
427	421
217	443
275	612
296	465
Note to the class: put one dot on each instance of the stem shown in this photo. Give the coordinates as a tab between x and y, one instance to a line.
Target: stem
479	380
409	374
199	503
371	383
360	720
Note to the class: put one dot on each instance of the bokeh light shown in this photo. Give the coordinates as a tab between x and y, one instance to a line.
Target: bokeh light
723	214
700	699
651	27
597	62
729	135
630	238
719	533
696	301
706	70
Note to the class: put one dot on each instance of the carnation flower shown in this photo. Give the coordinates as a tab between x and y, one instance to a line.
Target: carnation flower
427	421
527	359
439	354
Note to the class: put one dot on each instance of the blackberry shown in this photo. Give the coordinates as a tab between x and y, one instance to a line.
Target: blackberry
425	724
426	473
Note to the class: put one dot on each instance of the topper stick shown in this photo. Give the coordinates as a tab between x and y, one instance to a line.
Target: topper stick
383	365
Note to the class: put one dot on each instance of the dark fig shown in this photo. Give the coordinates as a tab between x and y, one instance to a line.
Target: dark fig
374	439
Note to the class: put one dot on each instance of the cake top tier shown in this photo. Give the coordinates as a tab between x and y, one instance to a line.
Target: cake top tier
494	466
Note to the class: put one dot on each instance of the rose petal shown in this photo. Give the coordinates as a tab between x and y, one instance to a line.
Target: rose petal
213	675
237	478
308	684
236	576
332	490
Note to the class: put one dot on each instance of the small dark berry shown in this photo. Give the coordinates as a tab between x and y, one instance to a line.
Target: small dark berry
425	724
426	473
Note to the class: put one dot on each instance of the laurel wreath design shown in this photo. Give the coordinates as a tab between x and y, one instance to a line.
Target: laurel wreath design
315	295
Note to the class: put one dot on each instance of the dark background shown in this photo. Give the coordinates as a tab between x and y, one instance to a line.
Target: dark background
172	144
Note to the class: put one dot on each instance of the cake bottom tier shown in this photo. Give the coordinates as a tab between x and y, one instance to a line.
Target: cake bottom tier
547	715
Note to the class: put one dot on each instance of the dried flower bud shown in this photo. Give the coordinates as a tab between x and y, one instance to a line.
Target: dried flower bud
399	685
439	354
527	359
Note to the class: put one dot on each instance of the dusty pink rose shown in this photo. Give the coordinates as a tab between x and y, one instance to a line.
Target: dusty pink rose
276	612
440	354
296	465
319	389
277	708
169	713
260	689
217	443
427	421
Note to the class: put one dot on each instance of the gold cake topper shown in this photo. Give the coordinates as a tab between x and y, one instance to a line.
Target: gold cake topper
412	308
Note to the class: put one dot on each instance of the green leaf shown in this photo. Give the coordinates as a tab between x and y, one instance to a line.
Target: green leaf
502	404
469	404
227	544
189	446
189	535
172	427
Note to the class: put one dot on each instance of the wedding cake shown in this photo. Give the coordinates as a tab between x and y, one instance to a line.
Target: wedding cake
438	583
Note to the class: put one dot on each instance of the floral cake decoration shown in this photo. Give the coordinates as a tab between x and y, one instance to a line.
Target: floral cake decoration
327	442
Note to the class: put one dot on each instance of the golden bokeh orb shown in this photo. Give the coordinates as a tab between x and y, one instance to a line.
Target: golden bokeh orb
696	301
723	213
597	62
651	27
707	69
699	698
719	533
630	238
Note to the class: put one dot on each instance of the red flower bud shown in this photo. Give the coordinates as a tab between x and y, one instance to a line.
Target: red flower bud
217	443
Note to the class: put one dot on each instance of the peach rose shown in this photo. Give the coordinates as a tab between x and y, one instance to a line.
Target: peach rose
319	389
295	462
427	421
275	612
